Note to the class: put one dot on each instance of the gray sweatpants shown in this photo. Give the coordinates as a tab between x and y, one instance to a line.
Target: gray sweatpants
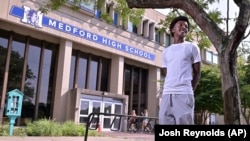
176	109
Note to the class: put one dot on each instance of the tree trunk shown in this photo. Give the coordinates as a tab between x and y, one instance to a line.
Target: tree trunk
226	45
230	87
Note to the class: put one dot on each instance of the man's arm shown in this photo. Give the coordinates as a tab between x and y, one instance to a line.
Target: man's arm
196	74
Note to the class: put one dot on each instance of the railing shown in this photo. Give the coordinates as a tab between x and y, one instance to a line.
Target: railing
116	116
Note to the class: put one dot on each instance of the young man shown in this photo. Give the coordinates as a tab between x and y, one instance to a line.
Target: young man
181	63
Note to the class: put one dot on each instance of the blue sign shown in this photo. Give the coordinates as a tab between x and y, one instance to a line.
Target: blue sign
37	19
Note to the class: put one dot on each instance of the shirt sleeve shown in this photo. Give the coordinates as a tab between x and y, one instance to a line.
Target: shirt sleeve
196	54
164	61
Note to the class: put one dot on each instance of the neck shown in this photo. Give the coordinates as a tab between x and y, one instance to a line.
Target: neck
178	40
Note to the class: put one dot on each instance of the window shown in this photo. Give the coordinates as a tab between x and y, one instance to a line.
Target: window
98	13
35	76
211	57
215	59
84	5
167	40
89	71
135	87
115	21
93	73
132	28
157	36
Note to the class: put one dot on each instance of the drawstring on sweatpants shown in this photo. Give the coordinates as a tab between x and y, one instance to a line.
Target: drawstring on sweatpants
171	101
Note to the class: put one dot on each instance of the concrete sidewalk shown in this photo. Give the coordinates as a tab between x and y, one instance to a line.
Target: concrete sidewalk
108	136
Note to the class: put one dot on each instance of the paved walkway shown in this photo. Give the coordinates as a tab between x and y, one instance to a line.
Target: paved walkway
108	136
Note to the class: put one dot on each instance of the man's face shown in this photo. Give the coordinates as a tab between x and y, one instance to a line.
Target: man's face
180	29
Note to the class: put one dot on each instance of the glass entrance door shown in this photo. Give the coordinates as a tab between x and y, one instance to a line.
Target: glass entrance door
117	110
95	107
106	105
84	111
114	108
107	108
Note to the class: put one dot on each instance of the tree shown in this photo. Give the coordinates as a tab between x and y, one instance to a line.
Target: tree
226	44
121	7
207	95
244	80
195	33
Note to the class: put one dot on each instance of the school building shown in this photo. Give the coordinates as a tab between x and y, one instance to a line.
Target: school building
70	63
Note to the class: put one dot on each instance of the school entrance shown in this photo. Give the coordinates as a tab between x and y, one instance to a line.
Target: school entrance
100	104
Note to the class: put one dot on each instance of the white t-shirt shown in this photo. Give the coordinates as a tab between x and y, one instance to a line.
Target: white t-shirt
178	59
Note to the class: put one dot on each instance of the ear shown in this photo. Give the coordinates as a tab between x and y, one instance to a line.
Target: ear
173	29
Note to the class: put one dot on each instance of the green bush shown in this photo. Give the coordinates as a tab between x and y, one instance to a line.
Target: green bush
19	131
43	127
46	127
4	130
69	128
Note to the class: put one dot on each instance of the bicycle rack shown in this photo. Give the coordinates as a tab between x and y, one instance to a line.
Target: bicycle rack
92	115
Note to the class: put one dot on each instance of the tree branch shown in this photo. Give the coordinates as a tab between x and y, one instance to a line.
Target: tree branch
238	32
214	33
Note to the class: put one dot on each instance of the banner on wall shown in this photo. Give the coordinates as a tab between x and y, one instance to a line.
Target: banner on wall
38	20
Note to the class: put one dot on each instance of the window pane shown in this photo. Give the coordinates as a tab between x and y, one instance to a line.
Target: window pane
85	5
93	74
105	74
130	26
107	108
16	63
31	78
167	42
157	36
118	109
208	56
82	71
72	70
98	13
46	91
134	29
115	21
32	72
83	120
127	79
135	90
84	108
88	6
96	107
215	59
3	51
143	89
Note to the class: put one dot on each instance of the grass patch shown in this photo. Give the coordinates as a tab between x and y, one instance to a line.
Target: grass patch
46	127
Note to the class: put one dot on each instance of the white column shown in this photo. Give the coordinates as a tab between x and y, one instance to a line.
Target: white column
125	24
117	70
153	86
62	80
163	38
145	29
152	31
139	28
111	12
